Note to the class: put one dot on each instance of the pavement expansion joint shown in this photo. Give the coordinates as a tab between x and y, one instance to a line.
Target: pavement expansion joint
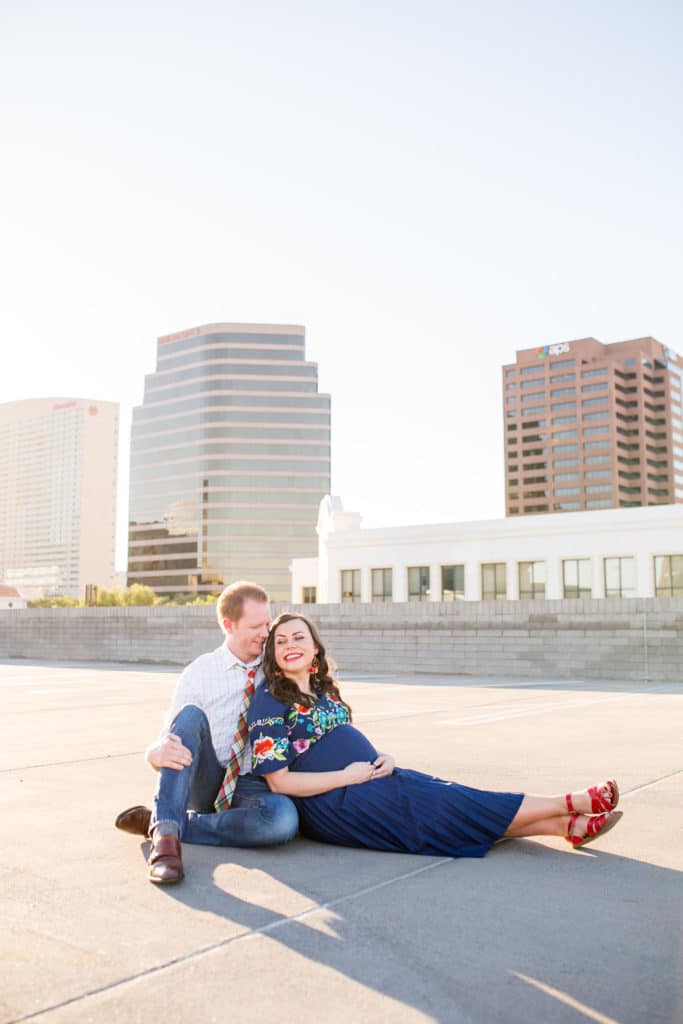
213	947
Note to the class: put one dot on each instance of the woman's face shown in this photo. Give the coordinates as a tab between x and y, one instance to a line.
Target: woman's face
293	647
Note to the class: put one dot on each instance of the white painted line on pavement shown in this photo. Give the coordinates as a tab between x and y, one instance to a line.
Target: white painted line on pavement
568	1000
503	713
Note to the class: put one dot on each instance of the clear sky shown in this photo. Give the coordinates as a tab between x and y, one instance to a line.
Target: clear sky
427	187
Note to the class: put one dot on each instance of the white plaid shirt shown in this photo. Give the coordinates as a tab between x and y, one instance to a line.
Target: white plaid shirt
215	682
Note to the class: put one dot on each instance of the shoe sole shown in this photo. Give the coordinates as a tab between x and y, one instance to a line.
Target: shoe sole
614	819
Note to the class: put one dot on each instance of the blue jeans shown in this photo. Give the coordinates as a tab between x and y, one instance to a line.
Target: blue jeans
185	798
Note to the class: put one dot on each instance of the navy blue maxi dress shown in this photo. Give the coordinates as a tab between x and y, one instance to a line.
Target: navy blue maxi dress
408	812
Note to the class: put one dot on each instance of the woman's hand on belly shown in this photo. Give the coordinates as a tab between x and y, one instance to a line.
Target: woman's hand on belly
384	766
358	771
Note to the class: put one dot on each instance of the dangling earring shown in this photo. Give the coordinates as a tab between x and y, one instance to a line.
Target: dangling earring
315	664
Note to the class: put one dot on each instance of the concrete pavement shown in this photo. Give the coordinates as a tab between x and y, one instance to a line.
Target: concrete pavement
534	932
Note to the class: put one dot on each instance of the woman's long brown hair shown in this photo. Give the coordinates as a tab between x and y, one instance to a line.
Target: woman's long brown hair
285	689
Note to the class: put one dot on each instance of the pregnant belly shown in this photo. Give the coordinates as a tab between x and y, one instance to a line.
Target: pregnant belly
335	750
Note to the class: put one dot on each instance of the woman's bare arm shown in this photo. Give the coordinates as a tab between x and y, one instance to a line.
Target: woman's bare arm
314	783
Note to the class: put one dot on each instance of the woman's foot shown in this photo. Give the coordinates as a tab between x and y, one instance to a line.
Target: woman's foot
596	800
583	829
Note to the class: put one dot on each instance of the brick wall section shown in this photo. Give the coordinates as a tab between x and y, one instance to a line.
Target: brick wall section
632	639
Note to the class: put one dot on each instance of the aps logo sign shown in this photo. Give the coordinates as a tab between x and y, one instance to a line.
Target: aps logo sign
552	350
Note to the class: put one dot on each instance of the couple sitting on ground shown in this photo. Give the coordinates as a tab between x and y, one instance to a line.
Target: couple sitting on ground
258	743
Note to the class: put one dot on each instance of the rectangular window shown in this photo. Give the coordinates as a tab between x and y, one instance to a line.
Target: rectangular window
559	463
566	447
669	576
308	595
598	430
563	364
563	419
566	492
566	477
559	392
531	580
562	406
526	370
418	583
598	488
533	383
381	584
594	473
587	402
600	386
594	373
601	503
596	416
350	586
452	582
577	577
556	379
493	581
620	577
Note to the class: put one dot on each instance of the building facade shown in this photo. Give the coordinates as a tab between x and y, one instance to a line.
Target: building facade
58	467
230	457
629	552
591	426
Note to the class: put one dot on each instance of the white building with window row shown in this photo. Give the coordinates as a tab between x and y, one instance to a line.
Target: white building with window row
617	552
58	470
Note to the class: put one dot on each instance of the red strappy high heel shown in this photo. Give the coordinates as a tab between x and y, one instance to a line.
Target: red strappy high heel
604	797
595	827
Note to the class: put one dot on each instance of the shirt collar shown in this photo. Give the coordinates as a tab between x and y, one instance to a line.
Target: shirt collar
233	661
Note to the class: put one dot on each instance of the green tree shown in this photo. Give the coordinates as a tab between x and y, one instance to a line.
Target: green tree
138	594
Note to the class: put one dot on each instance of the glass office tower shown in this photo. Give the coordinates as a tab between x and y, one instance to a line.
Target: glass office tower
230	457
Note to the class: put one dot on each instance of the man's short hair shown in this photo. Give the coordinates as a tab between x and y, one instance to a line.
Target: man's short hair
230	604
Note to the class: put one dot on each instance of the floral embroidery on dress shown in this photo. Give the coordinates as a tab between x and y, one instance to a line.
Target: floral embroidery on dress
276	738
268	748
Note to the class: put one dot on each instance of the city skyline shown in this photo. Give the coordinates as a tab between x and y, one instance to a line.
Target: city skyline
473	182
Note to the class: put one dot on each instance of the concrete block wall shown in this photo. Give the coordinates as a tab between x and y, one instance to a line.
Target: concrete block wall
639	639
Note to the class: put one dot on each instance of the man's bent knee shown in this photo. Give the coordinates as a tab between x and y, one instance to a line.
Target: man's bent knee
284	819
190	719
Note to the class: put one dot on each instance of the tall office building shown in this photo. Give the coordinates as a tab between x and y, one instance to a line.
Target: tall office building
230	457
589	425
58	465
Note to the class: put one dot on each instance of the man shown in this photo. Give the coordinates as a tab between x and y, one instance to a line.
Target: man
202	755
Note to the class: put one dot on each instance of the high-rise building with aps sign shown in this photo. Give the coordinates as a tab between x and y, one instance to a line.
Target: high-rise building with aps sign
58	466
589	425
230	457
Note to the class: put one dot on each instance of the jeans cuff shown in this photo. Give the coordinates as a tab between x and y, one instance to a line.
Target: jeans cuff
166	827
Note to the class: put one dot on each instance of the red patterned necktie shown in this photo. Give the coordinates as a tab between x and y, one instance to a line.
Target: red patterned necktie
232	768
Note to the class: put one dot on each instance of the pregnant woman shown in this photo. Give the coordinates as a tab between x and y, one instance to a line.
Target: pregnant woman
347	793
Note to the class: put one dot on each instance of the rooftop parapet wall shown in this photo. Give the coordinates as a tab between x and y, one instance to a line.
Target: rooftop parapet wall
638	639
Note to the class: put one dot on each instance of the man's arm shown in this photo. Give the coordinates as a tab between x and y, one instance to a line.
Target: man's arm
167	750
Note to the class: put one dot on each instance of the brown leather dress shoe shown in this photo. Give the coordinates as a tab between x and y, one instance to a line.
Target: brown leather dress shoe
165	864
135	820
